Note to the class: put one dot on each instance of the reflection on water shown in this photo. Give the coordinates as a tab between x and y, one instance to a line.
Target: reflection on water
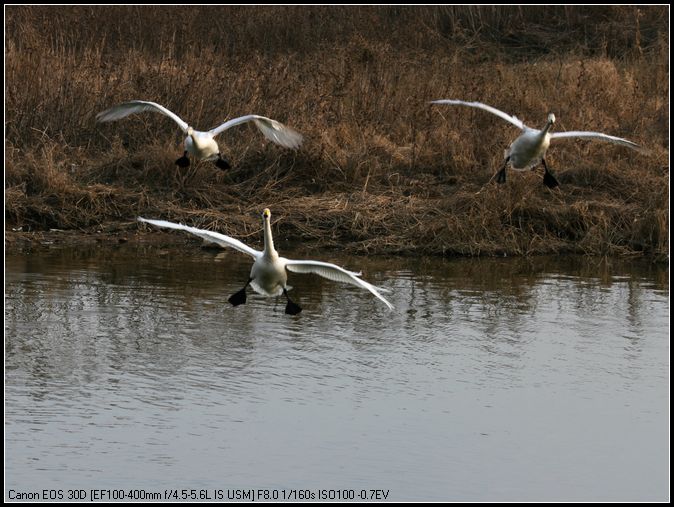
523	379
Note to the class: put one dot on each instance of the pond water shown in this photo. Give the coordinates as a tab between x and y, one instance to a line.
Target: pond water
498	379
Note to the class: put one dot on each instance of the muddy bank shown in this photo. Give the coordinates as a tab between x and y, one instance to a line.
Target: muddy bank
520	218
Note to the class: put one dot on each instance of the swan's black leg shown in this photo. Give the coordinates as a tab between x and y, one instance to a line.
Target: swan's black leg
548	179
501	175
183	161
291	308
221	163
240	297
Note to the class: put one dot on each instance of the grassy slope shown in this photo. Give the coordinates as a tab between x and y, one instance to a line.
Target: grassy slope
381	171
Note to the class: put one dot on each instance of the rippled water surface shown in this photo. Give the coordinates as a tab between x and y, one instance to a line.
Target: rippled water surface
538	379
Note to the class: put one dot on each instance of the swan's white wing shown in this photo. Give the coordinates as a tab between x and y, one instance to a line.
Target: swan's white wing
512	119
335	273
599	137
136	106
215	237
273	130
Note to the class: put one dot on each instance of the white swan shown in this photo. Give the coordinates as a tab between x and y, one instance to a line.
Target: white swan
202	145
268	275
528	150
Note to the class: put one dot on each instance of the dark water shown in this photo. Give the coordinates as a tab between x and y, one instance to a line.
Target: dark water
537	379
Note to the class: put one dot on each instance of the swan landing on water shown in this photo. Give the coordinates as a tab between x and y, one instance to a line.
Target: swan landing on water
268	275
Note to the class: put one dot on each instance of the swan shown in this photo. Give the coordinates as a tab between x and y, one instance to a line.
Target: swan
202	145
268	275
528	150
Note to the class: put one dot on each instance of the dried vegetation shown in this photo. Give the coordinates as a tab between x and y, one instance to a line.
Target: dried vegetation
381	170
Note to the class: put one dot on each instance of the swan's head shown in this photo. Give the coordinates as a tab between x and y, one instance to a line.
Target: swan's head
266	214
551	118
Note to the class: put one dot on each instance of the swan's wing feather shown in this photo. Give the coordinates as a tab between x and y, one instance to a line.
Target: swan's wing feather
137	106
599	137
279	133
232	123
273	130
335	273
512	119
214	237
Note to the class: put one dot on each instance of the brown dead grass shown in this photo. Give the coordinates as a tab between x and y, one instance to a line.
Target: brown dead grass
381	170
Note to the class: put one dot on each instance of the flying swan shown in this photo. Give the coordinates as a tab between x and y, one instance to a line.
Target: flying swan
528	150
202	145
268	275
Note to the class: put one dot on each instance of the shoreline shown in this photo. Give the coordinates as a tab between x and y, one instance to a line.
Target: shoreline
464	218
18	242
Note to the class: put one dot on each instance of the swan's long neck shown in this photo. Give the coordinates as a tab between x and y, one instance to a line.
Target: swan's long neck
547	127
268	240
198	139
195	138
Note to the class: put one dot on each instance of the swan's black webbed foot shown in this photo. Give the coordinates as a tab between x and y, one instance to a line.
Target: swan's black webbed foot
221	163
183	161
239	298
291	307
548	179
501	175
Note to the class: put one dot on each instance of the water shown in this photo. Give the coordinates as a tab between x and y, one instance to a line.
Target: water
539	379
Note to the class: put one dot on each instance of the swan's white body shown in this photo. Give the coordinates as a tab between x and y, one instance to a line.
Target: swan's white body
202	145
268	275
529	149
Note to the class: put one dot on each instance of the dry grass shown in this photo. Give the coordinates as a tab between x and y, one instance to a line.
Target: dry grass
381	171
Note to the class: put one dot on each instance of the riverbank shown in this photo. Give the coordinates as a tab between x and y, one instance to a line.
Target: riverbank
381	171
